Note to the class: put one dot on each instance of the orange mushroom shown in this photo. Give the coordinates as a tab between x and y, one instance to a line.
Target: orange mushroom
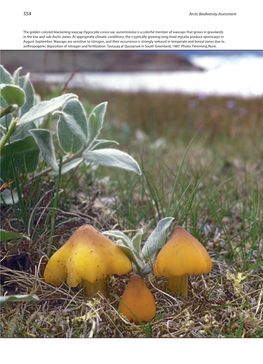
87	258
137	301
181	255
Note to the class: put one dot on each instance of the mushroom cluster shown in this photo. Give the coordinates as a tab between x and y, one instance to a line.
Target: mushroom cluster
87	259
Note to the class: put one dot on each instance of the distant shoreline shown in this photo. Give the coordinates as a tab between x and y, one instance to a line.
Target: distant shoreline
210	83
233	73
96	61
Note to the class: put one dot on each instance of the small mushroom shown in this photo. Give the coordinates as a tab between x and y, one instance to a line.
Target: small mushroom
180	256
137	301
87	258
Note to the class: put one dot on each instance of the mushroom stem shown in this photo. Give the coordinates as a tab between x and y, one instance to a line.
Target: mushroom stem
178	285
91	289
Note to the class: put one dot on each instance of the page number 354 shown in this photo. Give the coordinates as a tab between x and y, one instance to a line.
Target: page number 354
27	13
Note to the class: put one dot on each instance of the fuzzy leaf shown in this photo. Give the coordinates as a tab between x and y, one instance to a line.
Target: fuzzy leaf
101	144
6	121
16	76
147	268
72	127
3	103
44	108
112	158
95	121
119	235
13	95
44	141
130	254
68	166
68	140
5	76
22	132
136	241
25	83
156	238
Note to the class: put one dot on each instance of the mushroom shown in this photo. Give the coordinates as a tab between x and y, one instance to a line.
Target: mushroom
88	257
180	256
137	302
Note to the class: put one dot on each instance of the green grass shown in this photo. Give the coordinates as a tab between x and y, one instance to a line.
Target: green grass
202	164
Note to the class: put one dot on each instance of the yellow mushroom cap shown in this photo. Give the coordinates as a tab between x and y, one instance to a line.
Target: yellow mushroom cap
87	255
139	299
182	254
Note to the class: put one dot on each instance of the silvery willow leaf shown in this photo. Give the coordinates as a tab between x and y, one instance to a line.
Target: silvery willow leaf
68	140
156	238
16	76
148	268
119	235
44	141
68	166
100	144
13	94
136	241
25	83
22	132
130	254
44	108
72	121
112	158
6	121
4	105
5	76
95	121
